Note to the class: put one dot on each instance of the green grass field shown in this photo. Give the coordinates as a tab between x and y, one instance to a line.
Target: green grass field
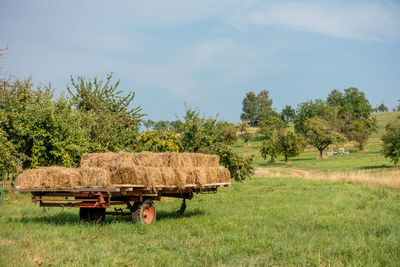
262	221
278	222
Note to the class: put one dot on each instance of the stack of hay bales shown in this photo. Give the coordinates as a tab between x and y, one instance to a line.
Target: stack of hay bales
142	169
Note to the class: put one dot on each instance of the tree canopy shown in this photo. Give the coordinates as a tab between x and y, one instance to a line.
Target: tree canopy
320	134
391	141
256	106
311	109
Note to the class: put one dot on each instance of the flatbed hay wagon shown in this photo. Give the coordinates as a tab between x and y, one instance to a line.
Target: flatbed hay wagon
93	202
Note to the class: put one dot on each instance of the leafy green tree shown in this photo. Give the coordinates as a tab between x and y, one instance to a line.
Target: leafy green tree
148	124
397	108
111	122
242	126
335	98
256	106
288	114
270	148
250	108
271	125
391	141
311	109
227	131
8	160
362	130
283	142
246	137
239	167
356	103
205	135
43	131
382	108
158	142
352	114
97	95
161	126
290	145
320	134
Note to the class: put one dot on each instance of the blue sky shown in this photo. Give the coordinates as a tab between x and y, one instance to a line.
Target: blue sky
206	53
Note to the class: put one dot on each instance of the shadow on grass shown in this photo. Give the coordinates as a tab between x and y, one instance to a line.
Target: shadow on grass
383	166
258	138
68	218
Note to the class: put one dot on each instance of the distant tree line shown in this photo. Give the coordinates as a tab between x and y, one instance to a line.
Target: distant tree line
343	116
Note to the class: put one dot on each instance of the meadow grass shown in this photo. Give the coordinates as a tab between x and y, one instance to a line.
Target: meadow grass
275	221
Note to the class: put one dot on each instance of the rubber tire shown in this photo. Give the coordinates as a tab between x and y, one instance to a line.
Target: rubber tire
137	212
97	214
84	214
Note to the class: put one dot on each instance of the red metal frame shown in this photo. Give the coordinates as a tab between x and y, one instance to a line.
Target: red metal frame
92	198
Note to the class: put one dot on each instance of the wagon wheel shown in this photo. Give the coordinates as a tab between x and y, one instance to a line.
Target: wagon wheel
97	214
144	212
84	214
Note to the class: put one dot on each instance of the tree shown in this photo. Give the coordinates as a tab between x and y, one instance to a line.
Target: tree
158	142
270	125
356	103
351	110
250	108
8	159
96	95
288	114
270	148
227	131
335	98
111	122
205	135
246	136
283	142
148	124
397	108
43	132
391	141
362	130
290	145
161	126
320	134
311	109
382	108
255	106
242	126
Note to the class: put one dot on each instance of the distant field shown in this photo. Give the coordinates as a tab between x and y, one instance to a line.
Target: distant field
383	119
279	222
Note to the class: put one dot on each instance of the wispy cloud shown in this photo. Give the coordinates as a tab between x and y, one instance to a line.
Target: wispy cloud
360	21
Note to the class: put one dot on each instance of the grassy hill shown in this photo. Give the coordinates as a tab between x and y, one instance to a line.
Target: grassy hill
382	120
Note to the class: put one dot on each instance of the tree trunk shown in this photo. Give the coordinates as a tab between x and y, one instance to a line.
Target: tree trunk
361	146
286	159
320	153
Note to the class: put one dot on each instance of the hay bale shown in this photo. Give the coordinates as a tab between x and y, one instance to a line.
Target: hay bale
146	168
113	161
48	177
169	177
94	177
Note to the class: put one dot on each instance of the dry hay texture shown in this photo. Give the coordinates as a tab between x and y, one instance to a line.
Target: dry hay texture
146	169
